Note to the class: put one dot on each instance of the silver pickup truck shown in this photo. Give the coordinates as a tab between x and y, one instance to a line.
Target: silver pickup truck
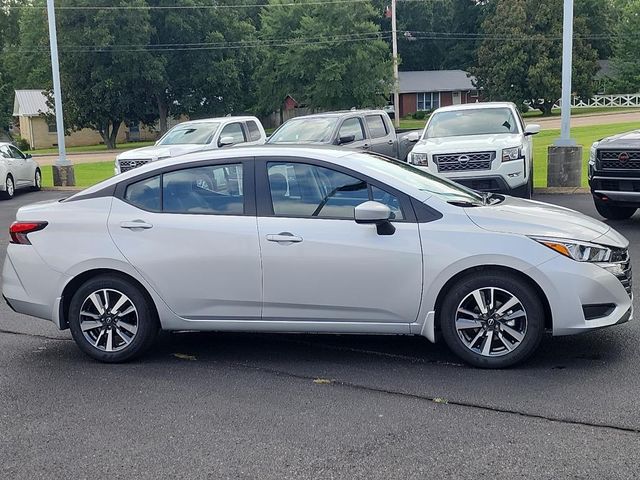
370	130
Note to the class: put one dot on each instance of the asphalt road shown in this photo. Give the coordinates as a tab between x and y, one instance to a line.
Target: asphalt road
246	406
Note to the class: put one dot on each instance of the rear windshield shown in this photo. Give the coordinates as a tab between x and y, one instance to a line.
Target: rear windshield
481	121
307	130
191	134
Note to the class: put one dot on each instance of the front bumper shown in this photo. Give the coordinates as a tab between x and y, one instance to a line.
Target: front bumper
571	285
619	190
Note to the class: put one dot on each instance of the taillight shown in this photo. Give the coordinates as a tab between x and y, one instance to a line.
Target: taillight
20	230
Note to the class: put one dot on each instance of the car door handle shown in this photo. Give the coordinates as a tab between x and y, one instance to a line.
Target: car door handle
135	224
366	146
284	237
390	142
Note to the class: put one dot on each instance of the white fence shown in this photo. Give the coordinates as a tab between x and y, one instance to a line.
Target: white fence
631	101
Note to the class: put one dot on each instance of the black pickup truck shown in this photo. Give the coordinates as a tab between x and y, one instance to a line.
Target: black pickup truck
370	130
614	175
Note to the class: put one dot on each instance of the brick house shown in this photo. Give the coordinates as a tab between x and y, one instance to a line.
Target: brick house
30	108
428	90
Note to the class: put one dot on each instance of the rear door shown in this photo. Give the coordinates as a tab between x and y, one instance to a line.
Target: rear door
191	232
382	137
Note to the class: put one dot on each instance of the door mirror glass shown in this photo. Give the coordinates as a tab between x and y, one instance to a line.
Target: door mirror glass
225	141
375	213
532	129
346	139
28	155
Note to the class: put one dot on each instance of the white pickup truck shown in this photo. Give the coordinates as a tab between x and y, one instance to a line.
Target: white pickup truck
484	146
195	136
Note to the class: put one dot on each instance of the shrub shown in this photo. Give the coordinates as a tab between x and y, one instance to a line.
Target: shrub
22	143
420	115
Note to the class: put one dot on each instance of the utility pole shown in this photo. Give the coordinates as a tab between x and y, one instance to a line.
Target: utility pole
565	157
396	76
63	174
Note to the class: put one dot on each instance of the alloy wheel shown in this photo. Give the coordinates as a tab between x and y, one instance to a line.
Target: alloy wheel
38	179
108	320
10	187
491	321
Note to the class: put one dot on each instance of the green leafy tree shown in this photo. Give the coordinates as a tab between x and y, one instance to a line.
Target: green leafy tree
520	58
326	56
8	41
626	48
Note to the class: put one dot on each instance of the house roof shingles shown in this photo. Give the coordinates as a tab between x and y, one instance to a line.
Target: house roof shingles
30	103
435	81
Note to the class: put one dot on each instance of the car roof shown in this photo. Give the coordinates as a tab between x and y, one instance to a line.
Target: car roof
476	106
339	113
239	118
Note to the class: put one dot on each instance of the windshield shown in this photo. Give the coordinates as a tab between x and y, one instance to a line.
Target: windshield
481	121
425	181
307	130
191	134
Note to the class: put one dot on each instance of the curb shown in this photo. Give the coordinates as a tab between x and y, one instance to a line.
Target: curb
561	190
61	189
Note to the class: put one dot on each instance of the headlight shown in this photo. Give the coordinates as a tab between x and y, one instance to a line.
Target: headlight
509	154
419	158
578	251
592	153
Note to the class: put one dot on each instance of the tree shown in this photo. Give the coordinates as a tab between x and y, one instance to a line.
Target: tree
327	56
208	70
626	48
8	41
520	58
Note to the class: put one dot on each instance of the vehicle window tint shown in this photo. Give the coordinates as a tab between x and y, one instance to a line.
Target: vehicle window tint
352	126
215	189
302	190
389	200
233	131
4	152
254	131
145	194
15	153
377	127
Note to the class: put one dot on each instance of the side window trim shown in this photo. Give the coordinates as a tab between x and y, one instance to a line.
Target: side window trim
263	194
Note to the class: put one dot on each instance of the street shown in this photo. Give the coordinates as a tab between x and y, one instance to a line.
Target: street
316	406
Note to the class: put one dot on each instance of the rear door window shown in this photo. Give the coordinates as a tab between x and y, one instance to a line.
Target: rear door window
254	131
145	194
377	127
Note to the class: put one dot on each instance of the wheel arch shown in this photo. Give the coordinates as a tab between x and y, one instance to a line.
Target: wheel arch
76	282
548	318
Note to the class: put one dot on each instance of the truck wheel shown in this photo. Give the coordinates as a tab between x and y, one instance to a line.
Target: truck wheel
612	212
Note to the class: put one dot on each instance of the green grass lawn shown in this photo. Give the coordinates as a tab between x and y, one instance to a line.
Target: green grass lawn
582	111
585	136
92	148
88	174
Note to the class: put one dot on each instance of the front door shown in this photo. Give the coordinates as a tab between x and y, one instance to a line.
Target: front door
318	264
192	234
457	98
351	134
21	167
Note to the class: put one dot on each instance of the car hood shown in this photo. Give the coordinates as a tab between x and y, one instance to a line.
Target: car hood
628	140
469	143
528	217
156	152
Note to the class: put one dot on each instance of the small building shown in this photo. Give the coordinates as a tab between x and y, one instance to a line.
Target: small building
428	90
38	127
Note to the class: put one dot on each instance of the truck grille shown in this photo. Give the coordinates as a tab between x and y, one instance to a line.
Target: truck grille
126	165
457	162
616	184
619	159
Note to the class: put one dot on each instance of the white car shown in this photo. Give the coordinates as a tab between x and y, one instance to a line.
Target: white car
17	170
485	146
195	136
312	239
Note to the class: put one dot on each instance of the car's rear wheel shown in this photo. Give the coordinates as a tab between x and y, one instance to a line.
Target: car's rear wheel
613	212
9	188
492	320
111	319
37	180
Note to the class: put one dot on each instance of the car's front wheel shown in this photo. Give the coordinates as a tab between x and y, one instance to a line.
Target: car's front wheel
111	319
492	319
612	212
9	188
37	180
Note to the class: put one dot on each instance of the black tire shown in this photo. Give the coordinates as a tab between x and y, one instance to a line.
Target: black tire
613	212
9	188
37	181
504	282
146	324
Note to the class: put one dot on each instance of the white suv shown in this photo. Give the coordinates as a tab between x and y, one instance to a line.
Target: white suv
484	146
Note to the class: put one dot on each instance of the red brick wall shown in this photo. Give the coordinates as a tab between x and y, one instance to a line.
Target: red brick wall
446	99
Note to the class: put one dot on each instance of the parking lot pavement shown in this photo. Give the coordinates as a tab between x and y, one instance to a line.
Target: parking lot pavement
250	406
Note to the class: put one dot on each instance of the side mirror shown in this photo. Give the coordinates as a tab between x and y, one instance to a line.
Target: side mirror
346	139
226	141
532	129
28	155
375	213
413	137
